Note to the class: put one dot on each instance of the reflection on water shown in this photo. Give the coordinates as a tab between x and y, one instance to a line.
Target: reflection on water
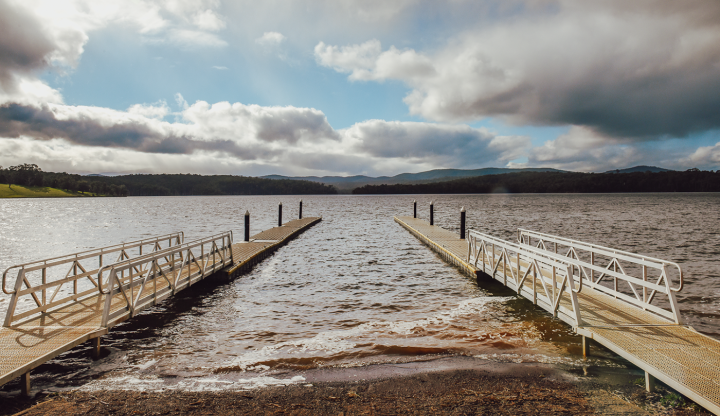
356	288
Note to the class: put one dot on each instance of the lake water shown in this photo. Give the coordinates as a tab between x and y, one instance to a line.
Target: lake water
355	289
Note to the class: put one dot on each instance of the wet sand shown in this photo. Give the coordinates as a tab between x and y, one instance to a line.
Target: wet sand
445	386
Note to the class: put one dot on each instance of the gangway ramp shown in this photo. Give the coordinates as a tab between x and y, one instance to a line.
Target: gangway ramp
624	301
79	297
84	311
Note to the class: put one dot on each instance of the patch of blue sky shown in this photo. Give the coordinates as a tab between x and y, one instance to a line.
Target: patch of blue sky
119	69
537	134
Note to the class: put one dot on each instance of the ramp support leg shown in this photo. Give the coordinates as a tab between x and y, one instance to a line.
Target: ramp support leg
96	348
585	346
649	382
25	384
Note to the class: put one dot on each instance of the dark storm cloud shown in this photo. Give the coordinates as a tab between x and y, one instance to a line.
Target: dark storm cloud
23	46
440	143
641	69
42	123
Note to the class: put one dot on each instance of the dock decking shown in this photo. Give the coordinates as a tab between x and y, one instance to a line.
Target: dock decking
654	340
121	291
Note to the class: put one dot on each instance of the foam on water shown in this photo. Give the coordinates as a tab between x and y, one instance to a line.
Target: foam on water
355	289
211	383
331	343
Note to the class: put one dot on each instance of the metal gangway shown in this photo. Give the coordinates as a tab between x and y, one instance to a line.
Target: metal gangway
78	297
624	301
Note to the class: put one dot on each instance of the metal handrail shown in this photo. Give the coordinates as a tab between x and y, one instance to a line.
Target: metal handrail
145	272
160	254
67	258
536	260
45	292
644	301
561	261
606	251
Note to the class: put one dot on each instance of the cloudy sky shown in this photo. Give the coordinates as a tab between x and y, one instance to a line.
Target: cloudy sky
344	87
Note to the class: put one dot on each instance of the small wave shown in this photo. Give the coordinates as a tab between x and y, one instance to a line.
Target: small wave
334	345
548	359
187	384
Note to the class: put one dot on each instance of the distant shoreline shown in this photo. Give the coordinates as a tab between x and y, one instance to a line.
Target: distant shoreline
450	385
561	183
19	191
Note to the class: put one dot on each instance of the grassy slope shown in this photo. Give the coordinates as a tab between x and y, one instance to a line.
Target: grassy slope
17	191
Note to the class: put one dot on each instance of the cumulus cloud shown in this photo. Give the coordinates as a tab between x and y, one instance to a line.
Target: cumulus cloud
246	132
158	110
270	39
293	140
95	126
625	69
705	157
23	48
583	149
368	62
39	34
208	20
434	144
180	101
373	10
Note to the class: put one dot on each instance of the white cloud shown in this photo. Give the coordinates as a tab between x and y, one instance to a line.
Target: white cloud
290	139
582	149
367	61
639	70
439	145
270	39
705	157
208	20
220	68
156	111
181	101
373	10
190	39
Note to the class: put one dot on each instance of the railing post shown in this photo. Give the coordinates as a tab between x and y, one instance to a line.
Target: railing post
112	277
671	297
247	225
573	294
432	216
300	214
25	384
462	223
649	382
414	208
96	348
280	215
44	281
585	346
14	298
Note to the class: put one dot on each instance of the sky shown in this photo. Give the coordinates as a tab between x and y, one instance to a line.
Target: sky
348	87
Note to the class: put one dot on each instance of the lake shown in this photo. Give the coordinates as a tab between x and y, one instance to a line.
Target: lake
355	289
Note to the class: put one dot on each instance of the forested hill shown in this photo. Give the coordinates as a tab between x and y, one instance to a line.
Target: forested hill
159	185
165	184
692	180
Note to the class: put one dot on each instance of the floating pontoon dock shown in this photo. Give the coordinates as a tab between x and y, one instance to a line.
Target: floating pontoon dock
582	284
73	302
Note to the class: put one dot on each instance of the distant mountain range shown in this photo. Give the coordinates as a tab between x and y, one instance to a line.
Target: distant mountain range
642	168
347	183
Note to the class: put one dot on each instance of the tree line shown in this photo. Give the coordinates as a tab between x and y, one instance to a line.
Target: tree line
692	180
160	185
192	184
31	175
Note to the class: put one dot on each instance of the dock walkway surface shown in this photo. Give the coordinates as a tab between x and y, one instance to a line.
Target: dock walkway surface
632	325
115	292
